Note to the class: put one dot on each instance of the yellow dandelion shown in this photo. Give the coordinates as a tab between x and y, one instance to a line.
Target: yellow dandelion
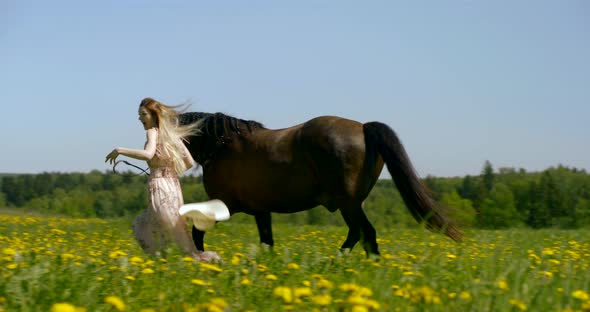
293	266
581	295
12	266
63	307
200	282
464	295
306	283
219	302
117	254
9	251
235	260
353	271
147	310
245	281
359	308
271	277
348	287
364	291
302	292
116	302
210	267
147	271
322	299
188	259
547	274
324	283
518	304
502	284
357	300
130	277
284	293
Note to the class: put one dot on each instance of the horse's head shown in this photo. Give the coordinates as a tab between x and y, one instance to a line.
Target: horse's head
217	133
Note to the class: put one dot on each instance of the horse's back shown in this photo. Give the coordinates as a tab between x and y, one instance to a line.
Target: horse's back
345	166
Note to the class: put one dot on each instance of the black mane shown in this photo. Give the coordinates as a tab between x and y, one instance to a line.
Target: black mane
217	130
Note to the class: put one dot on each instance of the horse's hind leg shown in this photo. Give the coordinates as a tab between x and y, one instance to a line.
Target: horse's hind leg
264	223
359	228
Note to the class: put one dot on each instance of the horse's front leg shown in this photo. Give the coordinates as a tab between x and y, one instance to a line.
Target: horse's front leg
202	255
198	237
264	223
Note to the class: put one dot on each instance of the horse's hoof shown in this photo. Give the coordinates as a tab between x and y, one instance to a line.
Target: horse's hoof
208	256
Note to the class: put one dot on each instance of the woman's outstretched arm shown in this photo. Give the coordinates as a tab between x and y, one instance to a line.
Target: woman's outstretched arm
142	154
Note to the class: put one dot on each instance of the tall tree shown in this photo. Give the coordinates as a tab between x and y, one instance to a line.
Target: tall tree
487	175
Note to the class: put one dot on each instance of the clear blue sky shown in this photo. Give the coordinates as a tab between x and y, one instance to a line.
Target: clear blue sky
461	82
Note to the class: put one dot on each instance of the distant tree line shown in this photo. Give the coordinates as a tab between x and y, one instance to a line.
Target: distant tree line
557	197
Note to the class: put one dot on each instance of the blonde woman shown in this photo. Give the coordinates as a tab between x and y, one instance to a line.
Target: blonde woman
166	156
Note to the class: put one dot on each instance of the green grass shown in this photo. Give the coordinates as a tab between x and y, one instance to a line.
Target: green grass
95	264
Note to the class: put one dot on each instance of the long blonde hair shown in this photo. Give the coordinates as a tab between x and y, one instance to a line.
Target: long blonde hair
171	134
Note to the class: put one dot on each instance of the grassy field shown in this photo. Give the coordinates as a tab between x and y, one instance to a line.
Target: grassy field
61	264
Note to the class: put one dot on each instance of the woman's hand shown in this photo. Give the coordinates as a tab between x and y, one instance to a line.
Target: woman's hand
112	156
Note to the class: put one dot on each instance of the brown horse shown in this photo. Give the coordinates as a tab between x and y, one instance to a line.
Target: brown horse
329	161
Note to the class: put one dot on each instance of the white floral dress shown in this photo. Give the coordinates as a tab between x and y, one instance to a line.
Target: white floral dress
160	223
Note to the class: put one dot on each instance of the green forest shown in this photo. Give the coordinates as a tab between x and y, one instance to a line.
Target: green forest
558	197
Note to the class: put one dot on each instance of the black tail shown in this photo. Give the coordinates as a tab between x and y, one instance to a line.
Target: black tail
414	193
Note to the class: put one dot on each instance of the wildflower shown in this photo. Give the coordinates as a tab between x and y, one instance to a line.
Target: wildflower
293	266
324	283
581	295
117	254
200	282
359	308
464	295
502	284
284	293
147	271
12	266
271	277
353	271
116	302
63	307
547	274
245	281
302	292
220	302
9	251
322	300
210	267
130	277
349	287
518	304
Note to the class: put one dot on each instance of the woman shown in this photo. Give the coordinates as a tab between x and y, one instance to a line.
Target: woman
166	156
